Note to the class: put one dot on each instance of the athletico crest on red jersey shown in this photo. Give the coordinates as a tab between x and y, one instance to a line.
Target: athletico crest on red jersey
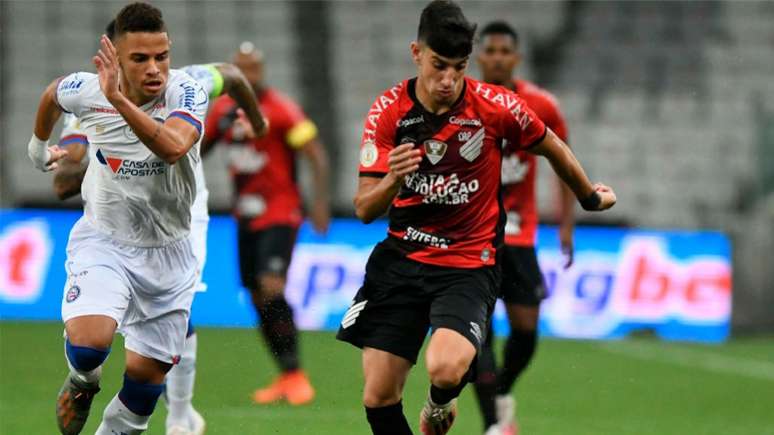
435	150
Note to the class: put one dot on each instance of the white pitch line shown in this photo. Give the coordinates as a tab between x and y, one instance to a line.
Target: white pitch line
737	366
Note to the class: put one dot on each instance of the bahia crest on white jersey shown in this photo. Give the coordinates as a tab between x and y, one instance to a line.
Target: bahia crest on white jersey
131	194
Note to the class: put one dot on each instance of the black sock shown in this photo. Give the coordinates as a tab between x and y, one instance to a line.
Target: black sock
518	352
280	333
388	420
486	383
442	396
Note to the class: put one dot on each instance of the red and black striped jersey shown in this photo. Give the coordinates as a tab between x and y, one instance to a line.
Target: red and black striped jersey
449	212
520	168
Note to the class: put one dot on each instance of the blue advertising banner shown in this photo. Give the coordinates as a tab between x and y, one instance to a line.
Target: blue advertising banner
675	283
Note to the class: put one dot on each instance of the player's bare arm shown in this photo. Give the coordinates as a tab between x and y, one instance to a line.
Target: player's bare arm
170	140
320	213
69	176
46	157
566	220
235	84
374	195
593	197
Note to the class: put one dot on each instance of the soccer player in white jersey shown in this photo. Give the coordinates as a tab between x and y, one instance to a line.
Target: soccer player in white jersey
130	263
216	79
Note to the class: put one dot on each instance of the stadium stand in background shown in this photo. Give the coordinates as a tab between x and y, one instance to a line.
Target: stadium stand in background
683	81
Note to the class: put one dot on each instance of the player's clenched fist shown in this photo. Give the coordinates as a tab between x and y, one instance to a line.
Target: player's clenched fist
602	199
403	160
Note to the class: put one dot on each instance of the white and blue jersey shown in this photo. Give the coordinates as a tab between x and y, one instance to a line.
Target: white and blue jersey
130	194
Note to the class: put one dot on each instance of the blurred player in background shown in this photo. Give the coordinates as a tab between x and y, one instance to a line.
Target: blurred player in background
522	287
130	262
216	79
431	156
268	210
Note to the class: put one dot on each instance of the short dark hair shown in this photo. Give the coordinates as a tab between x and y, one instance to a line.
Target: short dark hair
139	17
499	28
444	28
110	29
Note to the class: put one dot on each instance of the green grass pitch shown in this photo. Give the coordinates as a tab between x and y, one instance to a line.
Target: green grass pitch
637	386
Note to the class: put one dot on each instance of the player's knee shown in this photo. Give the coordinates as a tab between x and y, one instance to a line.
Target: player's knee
85	358
147	370
447	372
90	338
272	285
378	398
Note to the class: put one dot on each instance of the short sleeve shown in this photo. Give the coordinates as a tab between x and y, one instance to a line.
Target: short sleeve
208	77
186	99
554	119
70	91
522	127
377	141
72	133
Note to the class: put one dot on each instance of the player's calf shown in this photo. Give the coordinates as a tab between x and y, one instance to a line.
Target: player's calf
82	384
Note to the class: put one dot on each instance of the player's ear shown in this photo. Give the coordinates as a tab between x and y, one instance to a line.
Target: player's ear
416	52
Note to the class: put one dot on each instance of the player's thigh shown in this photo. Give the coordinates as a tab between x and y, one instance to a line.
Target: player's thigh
390	312
160	338
163	282
385	376
522	280
95	300
275	252
463	301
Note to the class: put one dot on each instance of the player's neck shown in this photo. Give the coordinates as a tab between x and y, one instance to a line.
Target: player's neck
430	105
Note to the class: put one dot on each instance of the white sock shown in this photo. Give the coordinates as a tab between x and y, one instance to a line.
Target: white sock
180	385
118	419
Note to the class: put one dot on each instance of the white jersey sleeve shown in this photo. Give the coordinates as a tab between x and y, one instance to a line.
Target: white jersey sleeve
186	99
70	92
72	132
208	76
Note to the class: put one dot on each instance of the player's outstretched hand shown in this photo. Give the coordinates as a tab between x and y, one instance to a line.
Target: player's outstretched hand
106	62
606	195
403	160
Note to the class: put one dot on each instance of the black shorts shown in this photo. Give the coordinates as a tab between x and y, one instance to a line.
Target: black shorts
522	279
265	251
401	298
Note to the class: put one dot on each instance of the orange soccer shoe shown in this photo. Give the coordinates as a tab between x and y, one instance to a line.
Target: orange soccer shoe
294	387
297	388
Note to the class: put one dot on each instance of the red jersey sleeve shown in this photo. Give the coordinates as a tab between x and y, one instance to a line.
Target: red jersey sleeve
522	126
298	129
553	118
377	140
212	123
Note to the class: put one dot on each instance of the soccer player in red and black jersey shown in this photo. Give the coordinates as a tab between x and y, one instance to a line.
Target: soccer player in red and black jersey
522	287
269	211
431	154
